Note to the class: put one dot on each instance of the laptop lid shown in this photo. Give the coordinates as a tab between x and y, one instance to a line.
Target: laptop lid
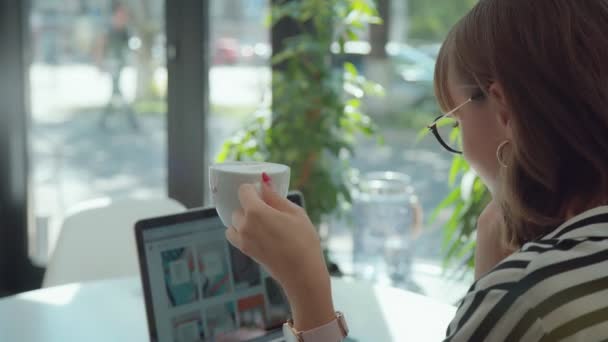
197	287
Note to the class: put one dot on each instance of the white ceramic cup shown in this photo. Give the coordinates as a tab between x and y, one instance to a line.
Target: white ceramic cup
225	180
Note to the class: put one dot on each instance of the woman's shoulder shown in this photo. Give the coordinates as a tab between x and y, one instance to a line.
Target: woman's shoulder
546	285
581	242
573	253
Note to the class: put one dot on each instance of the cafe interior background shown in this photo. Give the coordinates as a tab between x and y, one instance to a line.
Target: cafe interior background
103	101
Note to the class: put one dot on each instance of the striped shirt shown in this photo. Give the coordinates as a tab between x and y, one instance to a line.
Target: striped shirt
553	289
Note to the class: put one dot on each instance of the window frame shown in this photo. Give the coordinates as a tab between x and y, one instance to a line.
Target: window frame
188	63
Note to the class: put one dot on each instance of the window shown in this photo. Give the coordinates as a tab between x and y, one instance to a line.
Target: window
400	55
98	126
411	36
240	72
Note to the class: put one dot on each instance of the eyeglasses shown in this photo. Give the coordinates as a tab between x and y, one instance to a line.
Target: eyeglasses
446	129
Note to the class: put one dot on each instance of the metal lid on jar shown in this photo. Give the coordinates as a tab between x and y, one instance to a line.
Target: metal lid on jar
384	186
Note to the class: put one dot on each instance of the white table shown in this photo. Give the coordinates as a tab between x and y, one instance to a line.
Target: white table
113	310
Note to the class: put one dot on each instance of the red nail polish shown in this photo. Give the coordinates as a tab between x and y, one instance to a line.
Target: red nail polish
266	178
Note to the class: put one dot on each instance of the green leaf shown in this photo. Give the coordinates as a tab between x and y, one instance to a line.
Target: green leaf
314	100
451	252
353	90
374	89
451	226
353	103
351	69
267	22
467	185
449	200
282	56
224	153
423	133
455	169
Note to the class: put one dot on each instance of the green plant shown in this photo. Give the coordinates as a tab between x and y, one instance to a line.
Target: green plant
431	21
468	198
317	107
466	201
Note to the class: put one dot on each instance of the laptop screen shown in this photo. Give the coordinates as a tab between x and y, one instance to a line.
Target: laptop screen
200	288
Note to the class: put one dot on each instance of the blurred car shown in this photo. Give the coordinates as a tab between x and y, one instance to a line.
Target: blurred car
414	72
431	49
411	64
256	53
226	51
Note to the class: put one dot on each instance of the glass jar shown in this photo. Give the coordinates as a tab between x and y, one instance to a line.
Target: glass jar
387	217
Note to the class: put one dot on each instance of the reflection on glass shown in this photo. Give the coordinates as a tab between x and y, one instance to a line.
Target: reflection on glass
98	85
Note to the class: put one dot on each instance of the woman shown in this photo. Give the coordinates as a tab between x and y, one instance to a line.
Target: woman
527	82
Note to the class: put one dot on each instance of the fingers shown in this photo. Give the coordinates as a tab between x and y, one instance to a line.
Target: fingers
271	197
243	242
238	219
234	238
249	197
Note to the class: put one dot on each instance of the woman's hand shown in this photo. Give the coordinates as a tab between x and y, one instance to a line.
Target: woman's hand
490	250
279	235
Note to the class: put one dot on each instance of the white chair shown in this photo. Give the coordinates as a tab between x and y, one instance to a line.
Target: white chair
97	240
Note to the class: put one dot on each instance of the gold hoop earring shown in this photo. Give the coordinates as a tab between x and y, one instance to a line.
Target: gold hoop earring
499	153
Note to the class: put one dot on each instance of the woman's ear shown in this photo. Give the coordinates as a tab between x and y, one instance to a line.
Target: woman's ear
501	107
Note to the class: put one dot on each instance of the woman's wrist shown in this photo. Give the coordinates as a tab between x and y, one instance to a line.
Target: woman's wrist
311	301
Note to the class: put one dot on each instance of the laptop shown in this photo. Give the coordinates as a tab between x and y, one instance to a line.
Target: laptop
197	287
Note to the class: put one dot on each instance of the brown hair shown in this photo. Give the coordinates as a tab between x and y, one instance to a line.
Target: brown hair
551	59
